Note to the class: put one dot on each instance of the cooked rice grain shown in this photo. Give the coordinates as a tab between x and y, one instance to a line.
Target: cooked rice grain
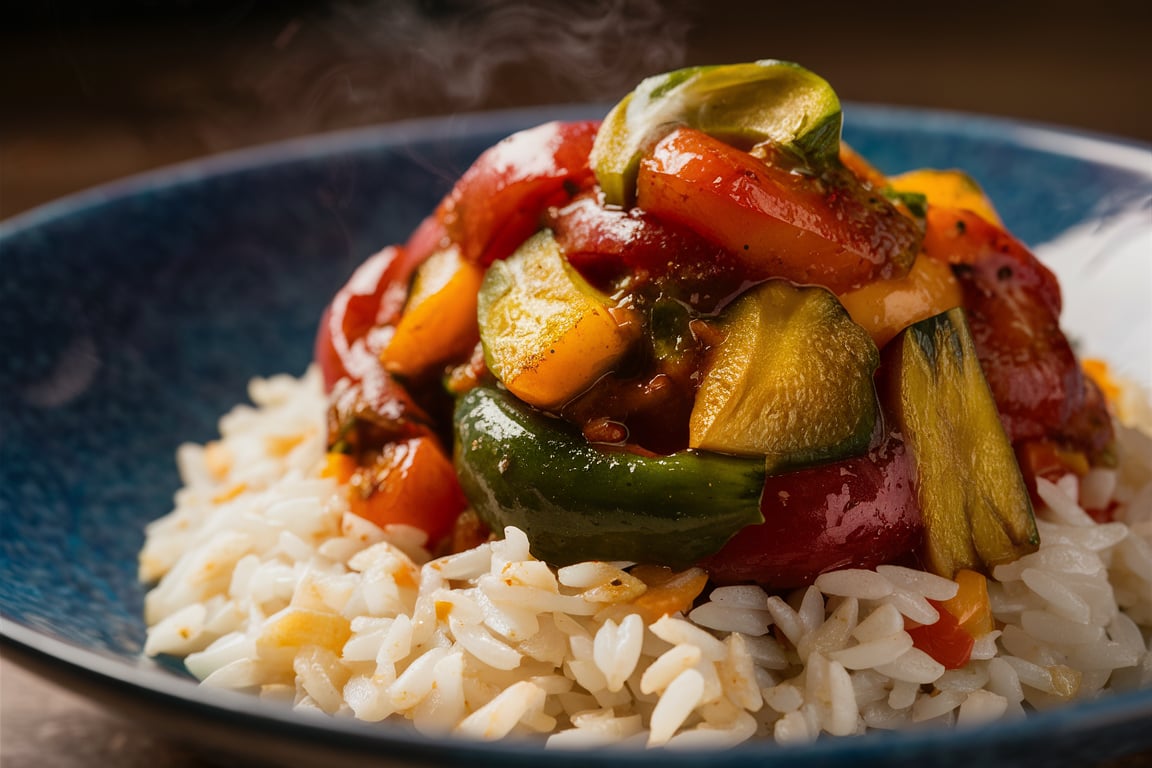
267	583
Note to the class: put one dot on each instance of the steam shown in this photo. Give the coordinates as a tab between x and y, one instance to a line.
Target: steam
585	50
363	62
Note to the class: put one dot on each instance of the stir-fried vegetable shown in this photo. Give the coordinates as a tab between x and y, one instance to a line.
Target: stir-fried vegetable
578	502
886	307
780	217
790	381
547	335
947	189
975	506
439	320
744	104
857	512
409	483
496	204
349	341
963	618
971	605
685	316
945	640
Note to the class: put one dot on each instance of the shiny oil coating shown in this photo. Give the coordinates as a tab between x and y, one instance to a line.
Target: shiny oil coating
577	501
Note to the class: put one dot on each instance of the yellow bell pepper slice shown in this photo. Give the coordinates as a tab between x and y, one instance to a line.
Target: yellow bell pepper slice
947	189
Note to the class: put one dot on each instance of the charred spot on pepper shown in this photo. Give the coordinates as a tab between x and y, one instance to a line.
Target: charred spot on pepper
975	506
365	416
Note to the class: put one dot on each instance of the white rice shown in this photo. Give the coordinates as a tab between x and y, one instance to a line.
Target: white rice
267	583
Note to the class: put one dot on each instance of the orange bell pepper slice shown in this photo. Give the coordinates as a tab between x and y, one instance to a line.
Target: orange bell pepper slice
963	618
439	320
948	189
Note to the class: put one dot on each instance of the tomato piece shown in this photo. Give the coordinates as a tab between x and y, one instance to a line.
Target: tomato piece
496	205
427	239
1012	303
946	640
411	483
1090	428
856	513
348	340
779	220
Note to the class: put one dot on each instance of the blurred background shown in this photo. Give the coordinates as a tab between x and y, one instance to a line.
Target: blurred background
93	91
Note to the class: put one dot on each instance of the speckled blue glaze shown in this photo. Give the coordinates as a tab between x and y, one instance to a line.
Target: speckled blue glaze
132	316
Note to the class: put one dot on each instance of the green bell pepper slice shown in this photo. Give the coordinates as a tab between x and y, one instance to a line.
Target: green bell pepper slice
577	501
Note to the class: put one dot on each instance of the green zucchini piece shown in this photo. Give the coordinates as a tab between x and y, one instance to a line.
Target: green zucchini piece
742	104
974	502
548	334
578	501
791	381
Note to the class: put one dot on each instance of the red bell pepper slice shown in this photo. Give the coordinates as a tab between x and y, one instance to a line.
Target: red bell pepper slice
856	513
498	202
347	342
946	641
1012	304
780	220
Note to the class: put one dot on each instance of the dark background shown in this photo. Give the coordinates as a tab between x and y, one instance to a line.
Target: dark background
92	91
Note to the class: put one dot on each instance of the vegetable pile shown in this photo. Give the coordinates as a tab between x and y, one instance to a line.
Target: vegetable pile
705	332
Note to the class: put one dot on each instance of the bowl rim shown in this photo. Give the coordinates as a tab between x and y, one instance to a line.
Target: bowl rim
246	711
1128	154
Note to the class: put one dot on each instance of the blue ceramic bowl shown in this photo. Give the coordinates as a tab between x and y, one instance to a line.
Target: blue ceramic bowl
132	316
